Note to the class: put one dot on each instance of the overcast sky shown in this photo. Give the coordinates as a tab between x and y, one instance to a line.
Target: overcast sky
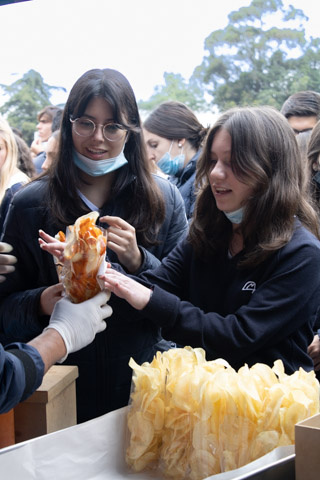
61	39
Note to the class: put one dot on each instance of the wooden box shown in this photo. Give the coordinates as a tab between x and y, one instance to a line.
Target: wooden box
52	407
307	440
7	429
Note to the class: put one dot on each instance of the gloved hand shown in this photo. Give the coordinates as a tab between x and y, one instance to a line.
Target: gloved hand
78	323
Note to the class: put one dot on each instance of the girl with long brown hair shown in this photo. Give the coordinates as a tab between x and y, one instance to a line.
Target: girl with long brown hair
244	284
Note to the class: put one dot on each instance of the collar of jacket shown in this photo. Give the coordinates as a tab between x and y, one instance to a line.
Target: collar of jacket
189	169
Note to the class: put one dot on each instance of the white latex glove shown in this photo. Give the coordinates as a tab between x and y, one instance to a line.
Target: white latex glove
78	323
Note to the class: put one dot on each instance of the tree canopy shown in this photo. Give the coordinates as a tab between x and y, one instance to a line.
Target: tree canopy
176	88
261	57
26	97
251	62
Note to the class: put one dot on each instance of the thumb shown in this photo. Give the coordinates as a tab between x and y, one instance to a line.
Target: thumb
106	311
102	326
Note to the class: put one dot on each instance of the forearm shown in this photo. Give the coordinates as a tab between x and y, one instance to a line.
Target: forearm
50	346
22	370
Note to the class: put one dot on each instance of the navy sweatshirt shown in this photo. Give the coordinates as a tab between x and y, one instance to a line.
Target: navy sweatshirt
244	316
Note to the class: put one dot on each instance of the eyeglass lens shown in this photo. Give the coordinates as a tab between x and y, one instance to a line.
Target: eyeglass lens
86	127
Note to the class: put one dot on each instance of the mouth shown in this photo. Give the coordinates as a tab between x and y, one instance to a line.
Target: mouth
96	153
220	190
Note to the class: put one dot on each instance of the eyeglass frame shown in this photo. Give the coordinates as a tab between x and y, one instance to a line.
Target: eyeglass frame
121	127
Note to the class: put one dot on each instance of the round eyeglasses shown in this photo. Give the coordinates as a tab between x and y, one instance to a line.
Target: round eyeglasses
84	127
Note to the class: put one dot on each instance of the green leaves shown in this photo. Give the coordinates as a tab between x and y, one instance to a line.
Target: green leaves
26	97
176	88
255	61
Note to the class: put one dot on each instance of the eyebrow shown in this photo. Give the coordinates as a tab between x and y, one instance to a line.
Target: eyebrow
91	117
302	131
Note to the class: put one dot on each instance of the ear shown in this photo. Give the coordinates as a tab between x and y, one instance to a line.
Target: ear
181	142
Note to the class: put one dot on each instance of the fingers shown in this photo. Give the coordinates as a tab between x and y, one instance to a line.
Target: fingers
111	277
7	260
46	237
54	249
54	291
5	247
316	366
7	269
51	245
314	348
115	222
102	326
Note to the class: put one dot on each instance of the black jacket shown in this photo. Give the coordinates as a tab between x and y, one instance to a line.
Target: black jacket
104	376
185	182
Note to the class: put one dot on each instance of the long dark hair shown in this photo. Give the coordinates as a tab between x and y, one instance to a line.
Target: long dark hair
265	155
147	209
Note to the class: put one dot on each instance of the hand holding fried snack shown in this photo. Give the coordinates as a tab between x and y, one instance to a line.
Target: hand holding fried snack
78	255
83	254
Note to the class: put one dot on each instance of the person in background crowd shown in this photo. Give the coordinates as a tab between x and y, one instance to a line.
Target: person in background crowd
173	137
25	162
48	121
302	110
11	178
245	283
51	150
101	166
313	156
71	327
313	159
303	142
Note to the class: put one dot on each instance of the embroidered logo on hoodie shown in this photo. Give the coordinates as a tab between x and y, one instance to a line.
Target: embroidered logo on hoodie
251	286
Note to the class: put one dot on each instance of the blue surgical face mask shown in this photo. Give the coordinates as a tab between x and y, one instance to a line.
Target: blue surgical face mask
97	168
171	166
236	216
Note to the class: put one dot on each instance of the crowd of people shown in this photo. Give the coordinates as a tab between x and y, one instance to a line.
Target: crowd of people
213	238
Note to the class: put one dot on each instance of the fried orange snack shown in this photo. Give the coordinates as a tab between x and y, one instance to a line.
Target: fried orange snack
83	254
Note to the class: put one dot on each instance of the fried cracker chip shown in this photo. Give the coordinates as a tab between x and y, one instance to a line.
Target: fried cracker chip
83	255
192	419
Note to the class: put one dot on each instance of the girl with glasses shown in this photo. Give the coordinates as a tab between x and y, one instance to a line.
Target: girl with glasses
101	165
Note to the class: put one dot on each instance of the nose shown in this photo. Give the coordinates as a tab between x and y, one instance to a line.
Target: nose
150	154
98	133
218	170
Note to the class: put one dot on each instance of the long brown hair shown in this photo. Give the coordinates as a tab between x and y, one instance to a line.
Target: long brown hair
147	209
313	156
265	155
